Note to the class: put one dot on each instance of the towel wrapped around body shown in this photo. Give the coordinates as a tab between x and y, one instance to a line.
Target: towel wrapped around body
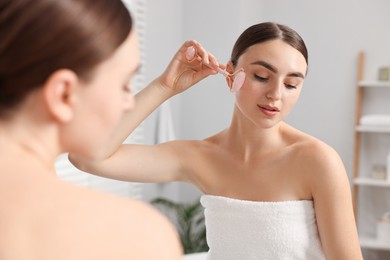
245	230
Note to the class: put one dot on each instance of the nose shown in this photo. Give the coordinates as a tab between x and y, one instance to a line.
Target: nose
274	91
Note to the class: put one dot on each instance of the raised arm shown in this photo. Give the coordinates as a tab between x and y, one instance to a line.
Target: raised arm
154	163
179	76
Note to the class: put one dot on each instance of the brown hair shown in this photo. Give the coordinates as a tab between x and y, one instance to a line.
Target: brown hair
262	32
39	37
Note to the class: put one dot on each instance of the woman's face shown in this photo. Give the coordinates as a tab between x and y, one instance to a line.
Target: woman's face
275	73
103	100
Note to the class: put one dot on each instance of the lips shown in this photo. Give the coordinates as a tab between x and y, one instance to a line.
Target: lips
269	110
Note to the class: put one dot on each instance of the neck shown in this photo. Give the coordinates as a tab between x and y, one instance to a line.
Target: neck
250	140
28	143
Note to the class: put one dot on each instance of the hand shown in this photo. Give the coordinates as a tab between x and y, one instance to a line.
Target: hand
190	64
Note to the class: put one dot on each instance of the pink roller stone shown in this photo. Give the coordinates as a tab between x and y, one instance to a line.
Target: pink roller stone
238	81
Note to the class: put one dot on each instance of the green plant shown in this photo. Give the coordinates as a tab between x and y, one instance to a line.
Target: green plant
189	221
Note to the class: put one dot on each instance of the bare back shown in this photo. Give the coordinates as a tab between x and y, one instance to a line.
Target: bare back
45	218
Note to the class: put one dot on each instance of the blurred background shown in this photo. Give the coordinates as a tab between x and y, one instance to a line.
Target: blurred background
334	32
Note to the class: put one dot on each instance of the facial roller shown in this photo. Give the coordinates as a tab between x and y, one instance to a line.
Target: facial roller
238	77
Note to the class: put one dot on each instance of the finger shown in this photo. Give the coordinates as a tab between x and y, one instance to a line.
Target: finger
188	49
202	53
213	61
190	43
190	53
194	50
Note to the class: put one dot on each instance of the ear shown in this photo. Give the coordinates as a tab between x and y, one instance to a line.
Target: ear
59	94
230	70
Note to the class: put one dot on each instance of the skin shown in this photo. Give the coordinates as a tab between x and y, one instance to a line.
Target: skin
45	218
258	157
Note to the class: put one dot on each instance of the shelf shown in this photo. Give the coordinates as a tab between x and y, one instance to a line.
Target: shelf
371	95
364	181
374	84
373	129
373	243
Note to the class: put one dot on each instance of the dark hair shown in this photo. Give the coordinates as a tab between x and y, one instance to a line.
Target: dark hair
39	37
262	32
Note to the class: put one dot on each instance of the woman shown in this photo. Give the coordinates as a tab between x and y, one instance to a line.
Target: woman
271	191
61	63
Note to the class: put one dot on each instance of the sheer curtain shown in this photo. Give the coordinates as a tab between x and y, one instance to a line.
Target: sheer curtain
68	172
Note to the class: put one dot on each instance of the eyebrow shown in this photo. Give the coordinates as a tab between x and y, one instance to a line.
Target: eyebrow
274	70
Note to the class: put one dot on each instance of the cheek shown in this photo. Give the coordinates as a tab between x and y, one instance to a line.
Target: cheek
106	110
250	94
290	100
129	102
96	118
108	116
246	101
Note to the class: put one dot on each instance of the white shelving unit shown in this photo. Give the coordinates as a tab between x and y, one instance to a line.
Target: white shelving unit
361	177
373	129
373	84
366	181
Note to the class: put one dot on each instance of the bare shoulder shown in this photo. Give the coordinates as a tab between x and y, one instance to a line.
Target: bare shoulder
321	163
131	227
318	153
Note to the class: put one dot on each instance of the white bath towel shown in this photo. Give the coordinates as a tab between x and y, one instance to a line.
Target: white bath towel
246	230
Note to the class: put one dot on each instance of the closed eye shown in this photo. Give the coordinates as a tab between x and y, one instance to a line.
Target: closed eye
289	86
262	79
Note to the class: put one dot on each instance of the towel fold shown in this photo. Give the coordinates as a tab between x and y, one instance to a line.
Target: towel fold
241	229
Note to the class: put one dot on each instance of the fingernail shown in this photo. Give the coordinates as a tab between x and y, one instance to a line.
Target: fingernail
190	53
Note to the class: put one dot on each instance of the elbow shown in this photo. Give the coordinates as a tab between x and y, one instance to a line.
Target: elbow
79	163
